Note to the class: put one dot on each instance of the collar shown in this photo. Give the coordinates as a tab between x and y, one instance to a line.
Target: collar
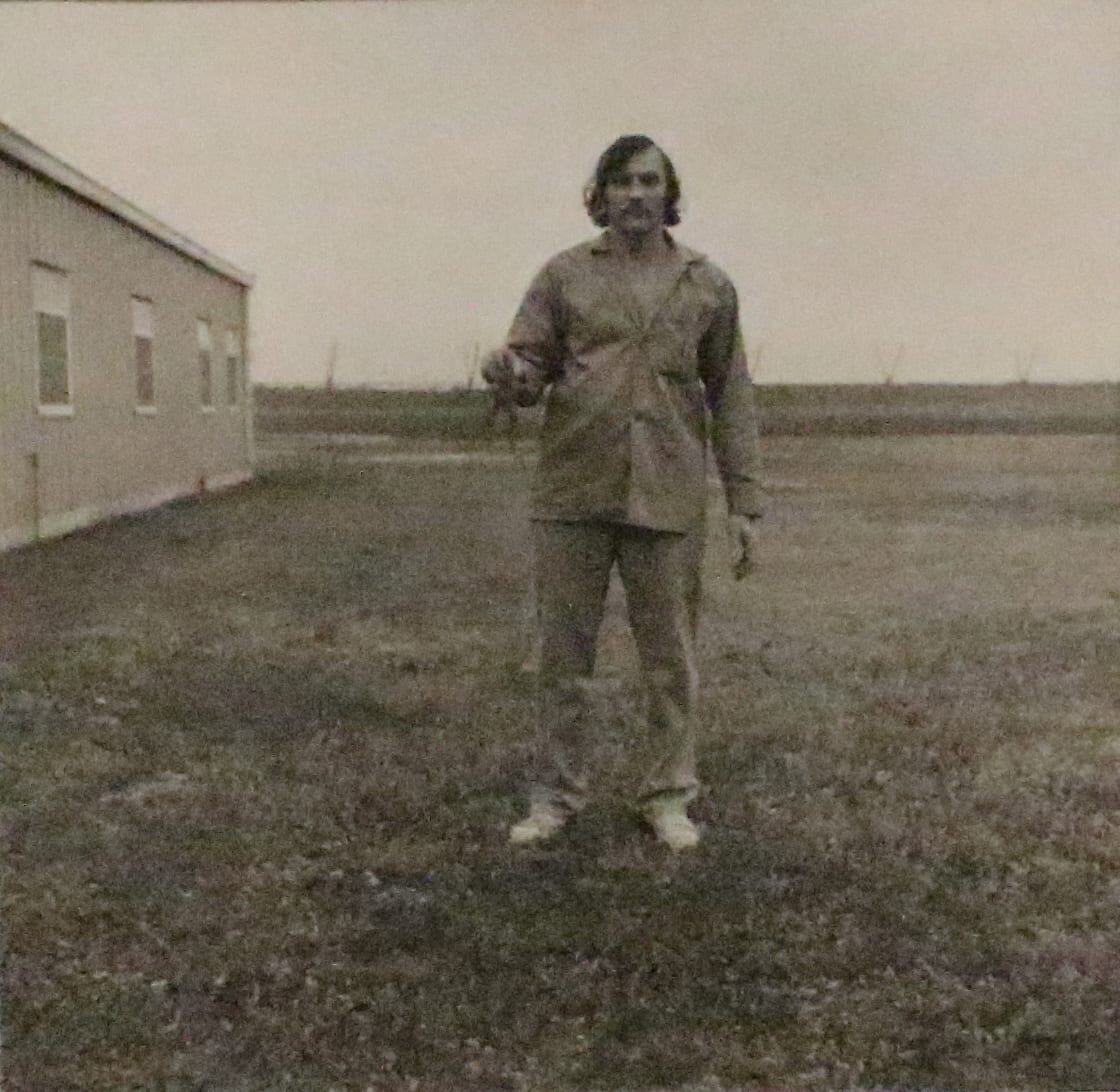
606	244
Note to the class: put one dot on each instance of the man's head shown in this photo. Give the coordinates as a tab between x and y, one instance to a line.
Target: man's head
634	182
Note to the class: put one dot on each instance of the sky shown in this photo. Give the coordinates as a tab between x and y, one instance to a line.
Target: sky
925	190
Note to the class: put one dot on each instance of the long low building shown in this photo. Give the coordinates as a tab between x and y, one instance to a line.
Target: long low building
124	376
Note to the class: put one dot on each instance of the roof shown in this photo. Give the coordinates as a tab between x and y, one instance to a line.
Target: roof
16	147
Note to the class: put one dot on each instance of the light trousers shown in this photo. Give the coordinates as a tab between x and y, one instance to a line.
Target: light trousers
661	576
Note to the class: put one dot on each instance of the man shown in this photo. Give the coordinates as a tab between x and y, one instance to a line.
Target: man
636	340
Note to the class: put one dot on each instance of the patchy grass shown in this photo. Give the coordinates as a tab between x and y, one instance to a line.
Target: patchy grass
259	755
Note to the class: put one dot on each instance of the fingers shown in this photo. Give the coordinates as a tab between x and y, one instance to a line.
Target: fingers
526	388
744	565
743	546
505	370
498	366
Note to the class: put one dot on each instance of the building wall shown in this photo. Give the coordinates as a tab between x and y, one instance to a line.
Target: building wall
108	457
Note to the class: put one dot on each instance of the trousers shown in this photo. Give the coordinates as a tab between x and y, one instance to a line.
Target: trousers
661	578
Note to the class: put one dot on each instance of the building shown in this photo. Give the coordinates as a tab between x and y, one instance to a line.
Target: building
123	354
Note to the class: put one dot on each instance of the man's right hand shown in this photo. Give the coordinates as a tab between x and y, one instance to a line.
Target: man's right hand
503	368
498	368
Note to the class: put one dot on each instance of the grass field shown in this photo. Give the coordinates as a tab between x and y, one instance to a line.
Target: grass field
259	752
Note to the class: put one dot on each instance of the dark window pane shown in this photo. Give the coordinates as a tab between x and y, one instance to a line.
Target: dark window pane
54	377
204	372
145	377
233	378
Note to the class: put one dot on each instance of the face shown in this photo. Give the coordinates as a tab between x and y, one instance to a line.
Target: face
635	196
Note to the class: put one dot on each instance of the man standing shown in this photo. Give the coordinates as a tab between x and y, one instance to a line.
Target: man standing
636	340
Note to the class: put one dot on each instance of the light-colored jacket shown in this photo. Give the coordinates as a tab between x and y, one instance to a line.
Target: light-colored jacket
625	429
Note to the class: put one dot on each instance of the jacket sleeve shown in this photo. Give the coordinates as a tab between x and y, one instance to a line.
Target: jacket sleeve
536	335
729	393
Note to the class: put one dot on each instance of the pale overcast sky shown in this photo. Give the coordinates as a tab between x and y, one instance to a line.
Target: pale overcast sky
926	185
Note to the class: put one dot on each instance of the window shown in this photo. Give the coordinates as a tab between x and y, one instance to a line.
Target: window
143	332
205	372
233	367
50	292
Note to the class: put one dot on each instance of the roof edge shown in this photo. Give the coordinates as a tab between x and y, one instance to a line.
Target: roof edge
30	155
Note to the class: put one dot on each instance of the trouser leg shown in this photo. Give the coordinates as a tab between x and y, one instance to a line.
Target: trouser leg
661	576
573	571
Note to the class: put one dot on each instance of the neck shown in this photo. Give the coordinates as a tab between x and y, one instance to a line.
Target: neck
643	246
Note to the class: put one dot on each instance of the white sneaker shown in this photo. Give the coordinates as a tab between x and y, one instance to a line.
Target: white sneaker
672	825
542	822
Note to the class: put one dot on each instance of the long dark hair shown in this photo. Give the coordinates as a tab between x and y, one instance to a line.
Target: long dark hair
611	163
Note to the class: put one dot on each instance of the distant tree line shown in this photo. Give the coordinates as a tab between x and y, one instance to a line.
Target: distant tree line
906	409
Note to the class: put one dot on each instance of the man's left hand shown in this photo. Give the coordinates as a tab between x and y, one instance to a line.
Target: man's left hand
744	539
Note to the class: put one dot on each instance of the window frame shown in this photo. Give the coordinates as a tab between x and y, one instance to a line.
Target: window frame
234	382
205	342
138	306
41	307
